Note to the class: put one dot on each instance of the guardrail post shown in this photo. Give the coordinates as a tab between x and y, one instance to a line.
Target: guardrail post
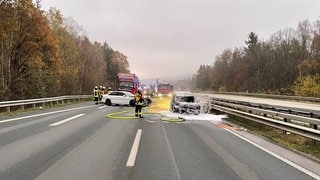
51	103
22	107
43	104
34	106
8	109
286	120
314	126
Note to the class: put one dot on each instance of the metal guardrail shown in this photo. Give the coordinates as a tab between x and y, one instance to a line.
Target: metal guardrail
302	122
43	101
270	96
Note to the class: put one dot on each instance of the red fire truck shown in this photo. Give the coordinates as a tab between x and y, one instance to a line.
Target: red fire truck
164	89
128	82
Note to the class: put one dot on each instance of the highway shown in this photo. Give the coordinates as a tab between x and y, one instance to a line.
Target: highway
80	142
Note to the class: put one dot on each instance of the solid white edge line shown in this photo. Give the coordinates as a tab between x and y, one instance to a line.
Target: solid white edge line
134	149
300	168
66	120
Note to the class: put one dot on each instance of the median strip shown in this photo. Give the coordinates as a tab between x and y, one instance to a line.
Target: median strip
66	120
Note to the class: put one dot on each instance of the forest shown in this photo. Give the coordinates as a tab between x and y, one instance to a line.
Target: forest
43	54
288	63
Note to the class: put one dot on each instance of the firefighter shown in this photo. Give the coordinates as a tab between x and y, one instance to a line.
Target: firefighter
101	92
96	94
139	103
108	90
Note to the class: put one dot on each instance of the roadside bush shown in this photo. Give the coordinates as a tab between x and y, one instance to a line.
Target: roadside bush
307	86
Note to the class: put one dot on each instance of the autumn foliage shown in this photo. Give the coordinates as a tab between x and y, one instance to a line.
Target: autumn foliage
287	63
43	54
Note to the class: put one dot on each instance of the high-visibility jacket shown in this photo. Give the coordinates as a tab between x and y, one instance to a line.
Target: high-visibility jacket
139	99
95	93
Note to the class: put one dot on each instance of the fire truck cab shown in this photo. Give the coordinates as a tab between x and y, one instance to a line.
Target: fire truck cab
128	82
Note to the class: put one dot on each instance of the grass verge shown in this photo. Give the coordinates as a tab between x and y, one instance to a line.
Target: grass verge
291	141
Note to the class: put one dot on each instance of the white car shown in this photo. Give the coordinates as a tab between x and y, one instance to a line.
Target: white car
118	98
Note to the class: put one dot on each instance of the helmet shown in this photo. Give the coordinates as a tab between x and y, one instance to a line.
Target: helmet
109	88
96	87
103	87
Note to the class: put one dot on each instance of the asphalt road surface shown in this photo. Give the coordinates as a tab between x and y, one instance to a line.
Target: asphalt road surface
81	142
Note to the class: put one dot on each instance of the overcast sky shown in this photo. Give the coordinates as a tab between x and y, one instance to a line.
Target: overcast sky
172	38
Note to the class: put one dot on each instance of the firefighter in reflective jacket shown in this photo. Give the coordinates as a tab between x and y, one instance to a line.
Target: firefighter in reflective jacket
96	94
139	103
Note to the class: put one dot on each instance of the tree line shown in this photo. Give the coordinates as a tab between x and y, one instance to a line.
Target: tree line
288	63
43	54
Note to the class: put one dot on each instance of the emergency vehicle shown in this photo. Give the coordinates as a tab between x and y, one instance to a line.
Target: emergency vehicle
164	89
128	82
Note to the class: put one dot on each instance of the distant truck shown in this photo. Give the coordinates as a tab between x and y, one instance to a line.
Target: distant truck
128	82
164	89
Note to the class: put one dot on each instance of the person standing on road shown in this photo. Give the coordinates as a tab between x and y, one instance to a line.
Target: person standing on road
96	94
109	90
139	103
101	92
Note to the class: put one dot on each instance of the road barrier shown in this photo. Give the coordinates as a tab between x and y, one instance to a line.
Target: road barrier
42	102
299	121
270	96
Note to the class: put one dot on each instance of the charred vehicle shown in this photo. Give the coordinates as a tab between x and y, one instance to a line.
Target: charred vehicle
184	103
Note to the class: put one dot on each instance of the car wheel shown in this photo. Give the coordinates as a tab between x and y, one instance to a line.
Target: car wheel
108	102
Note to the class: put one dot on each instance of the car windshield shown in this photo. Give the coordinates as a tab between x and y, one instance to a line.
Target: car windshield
165	87
185	98
126	84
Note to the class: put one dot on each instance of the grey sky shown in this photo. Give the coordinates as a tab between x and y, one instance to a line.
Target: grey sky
172	38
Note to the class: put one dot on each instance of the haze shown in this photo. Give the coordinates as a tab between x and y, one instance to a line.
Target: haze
172	38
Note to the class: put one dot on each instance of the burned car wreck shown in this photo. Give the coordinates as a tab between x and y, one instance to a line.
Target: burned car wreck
184	103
